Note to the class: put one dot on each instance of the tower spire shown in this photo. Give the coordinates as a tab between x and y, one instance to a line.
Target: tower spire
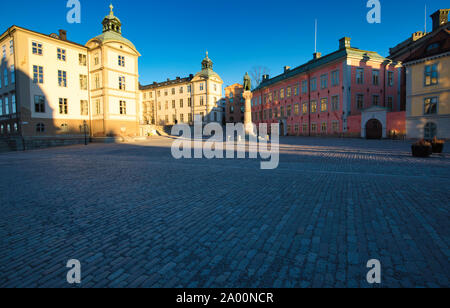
111	7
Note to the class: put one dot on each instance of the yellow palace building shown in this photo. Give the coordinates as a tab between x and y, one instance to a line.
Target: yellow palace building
54	91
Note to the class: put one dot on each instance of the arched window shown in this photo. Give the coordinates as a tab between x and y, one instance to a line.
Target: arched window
430	131
40	127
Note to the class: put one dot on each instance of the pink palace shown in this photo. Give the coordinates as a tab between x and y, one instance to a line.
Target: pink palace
350	92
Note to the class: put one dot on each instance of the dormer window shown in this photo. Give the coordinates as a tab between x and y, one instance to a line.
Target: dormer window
433	46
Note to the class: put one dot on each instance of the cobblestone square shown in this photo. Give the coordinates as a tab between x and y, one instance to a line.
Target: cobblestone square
135	217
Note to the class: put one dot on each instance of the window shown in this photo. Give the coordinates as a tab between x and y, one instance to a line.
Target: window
174	104
11	47
96	59
63	106
98	107
62	79
314	127
13	103
181	90
201	101
82	59
122	85
360	76
97	81
304	86
313	84
39	104
390	79
37	48
305	128
166	105
64	128
296	109
431	105
84	111
61	54
335	78
174	118
181	103
173	91
16	127
189	89
166	92
121	60
335	103
305	108
6	105
323	104
359	101
282	112
324	81
313	106
376	100
201	87
189	102
1	107
376	77
282	94
4	51
324	127
430	131
335	126
431	75
13	74
296	129
40	128
390	103
6	77
289	110
83	82
182	118
190	117
123	107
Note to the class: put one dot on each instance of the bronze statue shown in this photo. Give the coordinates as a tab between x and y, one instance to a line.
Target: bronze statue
247	83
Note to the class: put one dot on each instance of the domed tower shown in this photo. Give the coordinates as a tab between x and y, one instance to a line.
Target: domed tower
113	70
208	92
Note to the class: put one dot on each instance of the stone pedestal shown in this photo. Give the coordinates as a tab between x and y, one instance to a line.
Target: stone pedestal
248	123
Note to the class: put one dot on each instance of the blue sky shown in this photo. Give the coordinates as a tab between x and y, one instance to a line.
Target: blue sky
172	36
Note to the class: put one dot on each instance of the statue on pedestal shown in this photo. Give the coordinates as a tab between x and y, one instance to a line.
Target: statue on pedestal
247	83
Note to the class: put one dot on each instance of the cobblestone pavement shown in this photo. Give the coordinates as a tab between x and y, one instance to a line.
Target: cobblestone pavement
135	217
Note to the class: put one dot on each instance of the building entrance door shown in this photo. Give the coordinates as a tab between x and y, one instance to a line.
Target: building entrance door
374	129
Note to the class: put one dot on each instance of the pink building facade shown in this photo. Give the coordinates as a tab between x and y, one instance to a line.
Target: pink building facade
350	92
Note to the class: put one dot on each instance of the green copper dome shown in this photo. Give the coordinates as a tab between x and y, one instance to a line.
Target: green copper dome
207	69
112	30
111	36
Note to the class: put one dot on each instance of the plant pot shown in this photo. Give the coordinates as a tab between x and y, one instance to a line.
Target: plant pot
421	150
437	147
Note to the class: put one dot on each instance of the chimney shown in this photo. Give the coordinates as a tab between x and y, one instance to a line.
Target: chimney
440	18
265	77
287	69
344	43
63	35
191	76
317	55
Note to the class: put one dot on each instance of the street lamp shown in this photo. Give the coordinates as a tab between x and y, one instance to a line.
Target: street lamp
85	132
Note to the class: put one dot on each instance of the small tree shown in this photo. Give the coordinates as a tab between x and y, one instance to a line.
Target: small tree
257	74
